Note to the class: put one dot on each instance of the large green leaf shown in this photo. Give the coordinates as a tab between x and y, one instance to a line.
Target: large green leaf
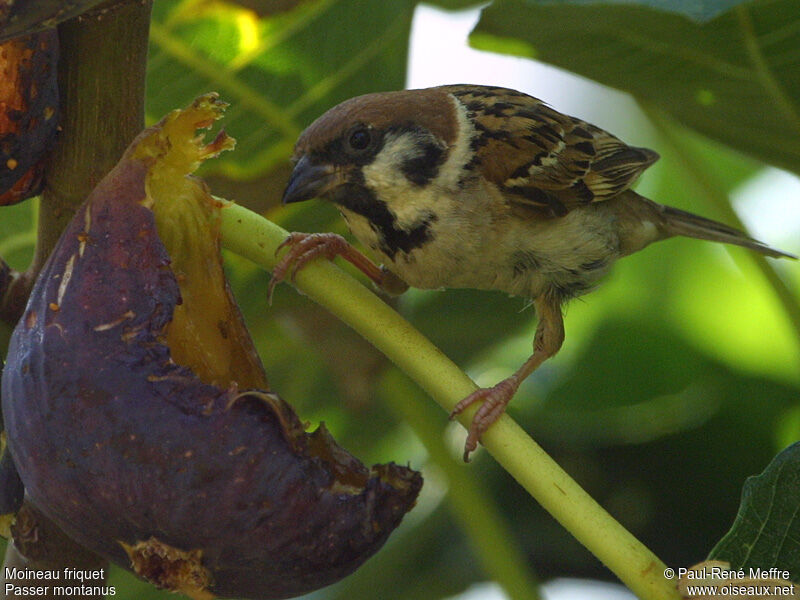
766	532
279	72
454	4
699	10
735	78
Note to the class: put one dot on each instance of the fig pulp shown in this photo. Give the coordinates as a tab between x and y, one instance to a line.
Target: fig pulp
127	410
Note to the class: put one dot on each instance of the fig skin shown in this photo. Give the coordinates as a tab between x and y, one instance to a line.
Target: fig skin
28	113
11	489
194	485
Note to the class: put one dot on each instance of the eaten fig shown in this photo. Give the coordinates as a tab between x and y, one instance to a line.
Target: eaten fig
28	112
126	409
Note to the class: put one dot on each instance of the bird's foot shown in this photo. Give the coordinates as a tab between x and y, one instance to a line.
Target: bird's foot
495	399
304	247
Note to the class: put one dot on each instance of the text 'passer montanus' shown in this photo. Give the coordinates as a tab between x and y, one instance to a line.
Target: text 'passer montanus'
467	186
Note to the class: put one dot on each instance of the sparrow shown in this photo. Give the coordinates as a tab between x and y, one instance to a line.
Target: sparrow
471	186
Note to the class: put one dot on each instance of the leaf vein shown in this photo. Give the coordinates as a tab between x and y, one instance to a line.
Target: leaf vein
763	70
685	53
221	75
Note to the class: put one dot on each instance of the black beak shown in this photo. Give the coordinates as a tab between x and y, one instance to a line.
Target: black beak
309	180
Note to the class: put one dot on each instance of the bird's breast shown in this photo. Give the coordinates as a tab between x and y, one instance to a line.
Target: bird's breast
478	247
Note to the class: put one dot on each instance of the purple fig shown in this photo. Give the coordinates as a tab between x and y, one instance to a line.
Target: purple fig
28	112
11	488
138	414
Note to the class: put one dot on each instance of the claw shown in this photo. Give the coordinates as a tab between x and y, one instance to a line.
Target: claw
290	239
495	399
304	247
271	288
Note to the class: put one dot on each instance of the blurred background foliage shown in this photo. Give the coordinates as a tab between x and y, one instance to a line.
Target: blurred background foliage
679	377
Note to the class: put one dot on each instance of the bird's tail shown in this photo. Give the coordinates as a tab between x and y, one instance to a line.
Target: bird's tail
680	222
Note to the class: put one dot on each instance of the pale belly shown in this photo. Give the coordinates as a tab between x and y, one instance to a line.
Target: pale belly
566	255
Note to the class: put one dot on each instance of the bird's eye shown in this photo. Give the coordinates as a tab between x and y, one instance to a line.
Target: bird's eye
359	139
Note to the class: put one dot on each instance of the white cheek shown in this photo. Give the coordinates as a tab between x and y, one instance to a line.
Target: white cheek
384	172
407	201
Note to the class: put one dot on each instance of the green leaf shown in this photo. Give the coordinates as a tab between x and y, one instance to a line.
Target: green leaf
454	4
279	72
17	234
699	10
766	532
735	78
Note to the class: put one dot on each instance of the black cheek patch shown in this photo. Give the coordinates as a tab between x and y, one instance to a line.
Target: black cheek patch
424	167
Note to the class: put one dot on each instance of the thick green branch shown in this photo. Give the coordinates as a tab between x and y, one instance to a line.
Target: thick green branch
257	239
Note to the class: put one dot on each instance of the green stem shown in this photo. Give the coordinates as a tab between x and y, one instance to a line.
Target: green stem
703	176
477	512
255	238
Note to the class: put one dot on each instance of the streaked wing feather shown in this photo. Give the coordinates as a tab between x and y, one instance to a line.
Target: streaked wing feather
541	157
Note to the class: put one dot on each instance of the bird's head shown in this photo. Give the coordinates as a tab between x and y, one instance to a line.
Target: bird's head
375	155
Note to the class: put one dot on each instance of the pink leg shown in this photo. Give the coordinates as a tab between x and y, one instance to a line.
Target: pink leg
547	341
304	247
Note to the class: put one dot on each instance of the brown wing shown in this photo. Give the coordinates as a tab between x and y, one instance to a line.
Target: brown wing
543	158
